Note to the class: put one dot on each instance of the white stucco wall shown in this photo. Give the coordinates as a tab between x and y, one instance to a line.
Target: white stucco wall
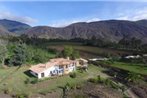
71	68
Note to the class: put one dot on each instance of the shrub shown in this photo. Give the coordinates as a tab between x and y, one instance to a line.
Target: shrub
73	75
27	81
92	80
70	86
99	79
21	96
108	82
34	81
7	91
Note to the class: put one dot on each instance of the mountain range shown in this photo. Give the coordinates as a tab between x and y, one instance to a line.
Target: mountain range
108	30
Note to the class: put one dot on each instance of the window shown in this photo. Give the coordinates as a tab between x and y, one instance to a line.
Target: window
36	74
66	66
42	74
60	67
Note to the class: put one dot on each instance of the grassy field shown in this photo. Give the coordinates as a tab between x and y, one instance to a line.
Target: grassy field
13	79
137	68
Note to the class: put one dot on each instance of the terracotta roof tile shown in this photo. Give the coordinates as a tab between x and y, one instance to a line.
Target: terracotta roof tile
57	61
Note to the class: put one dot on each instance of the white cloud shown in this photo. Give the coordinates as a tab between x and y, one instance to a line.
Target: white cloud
10	16
134	15
63	23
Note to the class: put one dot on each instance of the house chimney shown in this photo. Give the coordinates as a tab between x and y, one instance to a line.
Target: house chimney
68	58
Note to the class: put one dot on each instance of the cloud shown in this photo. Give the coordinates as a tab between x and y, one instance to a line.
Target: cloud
23	19
134	15
63	23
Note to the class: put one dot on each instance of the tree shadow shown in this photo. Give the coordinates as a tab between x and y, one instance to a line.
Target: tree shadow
29	74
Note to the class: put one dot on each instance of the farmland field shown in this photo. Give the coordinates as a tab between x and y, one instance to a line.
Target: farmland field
87	51
132	67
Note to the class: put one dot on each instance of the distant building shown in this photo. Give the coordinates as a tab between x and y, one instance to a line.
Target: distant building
55	67
145	55
99	59
132	56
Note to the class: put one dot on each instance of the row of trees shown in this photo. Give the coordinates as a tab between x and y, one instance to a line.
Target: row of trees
132	43
19	53
124	43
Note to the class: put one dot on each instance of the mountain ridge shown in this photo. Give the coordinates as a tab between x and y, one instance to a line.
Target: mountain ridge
110	30
14	26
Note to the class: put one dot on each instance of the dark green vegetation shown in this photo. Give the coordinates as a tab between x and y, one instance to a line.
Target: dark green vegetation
68	51
17	53
27	54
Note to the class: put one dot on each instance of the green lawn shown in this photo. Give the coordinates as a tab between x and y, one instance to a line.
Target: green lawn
13	79
138	68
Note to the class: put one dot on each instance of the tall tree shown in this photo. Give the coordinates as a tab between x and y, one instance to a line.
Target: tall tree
67	52
75	54
19	55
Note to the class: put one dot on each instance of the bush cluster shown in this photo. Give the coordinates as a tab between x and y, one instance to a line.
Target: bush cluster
73	75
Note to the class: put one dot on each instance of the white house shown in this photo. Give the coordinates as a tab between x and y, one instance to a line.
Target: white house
57	66
99	59
132	56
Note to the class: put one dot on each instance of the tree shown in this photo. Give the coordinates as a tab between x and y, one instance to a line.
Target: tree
3	53
19	55
67	52
40	56
70	52
75	54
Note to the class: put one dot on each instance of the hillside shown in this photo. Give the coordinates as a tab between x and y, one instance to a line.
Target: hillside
110	30
142	22
4	31
14	26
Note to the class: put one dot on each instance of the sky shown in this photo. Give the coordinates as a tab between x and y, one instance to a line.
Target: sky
59	13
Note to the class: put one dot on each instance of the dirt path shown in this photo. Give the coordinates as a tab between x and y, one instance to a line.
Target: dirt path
131	94
9	75
2	95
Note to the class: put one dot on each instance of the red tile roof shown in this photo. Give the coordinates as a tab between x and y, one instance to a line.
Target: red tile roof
57	61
